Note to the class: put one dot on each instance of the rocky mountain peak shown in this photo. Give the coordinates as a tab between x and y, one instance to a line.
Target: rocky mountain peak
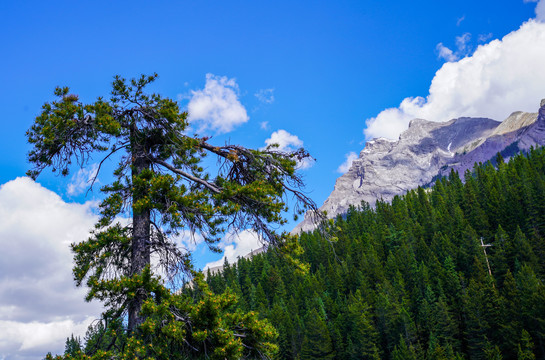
426	150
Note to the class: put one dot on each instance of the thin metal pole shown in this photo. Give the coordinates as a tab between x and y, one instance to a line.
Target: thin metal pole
484	246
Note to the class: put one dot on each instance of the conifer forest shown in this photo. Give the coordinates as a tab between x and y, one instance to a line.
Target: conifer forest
454	271
451	271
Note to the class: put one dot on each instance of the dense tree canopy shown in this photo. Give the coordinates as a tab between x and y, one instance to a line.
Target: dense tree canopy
409	279
161	183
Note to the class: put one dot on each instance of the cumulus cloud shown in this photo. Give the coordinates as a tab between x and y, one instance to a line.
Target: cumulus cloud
237	245
39	303
462	48
35	339
265	96
284	140
540	9
189	240
217	107
288	142
500	77
345	166
81	181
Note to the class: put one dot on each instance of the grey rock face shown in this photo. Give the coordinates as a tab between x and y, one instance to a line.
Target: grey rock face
427	149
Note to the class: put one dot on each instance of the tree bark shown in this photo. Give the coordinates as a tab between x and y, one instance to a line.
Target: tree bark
140	252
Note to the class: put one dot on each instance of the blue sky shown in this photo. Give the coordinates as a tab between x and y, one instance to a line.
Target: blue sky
322	71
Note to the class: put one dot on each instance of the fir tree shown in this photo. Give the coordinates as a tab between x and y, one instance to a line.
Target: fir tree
316	341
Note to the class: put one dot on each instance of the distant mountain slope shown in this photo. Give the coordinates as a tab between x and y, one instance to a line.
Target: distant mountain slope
428	149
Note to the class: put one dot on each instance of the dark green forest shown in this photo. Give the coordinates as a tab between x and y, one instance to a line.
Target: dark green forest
410	279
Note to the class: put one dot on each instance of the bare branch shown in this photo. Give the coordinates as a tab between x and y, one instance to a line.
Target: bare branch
115	149
205	183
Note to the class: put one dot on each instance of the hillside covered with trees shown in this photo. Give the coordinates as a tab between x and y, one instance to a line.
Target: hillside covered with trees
411	279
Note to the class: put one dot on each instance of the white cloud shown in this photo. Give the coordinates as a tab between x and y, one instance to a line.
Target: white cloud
265	96
462	48
288	142
484	37
284	140
264	125
34	339
460	19
190	240
462	43
540	9
345	166
217	107
500	77
445	53
237	245
81	181
39	304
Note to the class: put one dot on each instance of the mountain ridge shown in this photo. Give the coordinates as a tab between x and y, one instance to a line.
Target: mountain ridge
427	149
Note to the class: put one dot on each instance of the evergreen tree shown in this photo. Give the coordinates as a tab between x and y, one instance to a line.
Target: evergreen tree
162	184
512	325
493	352
532	304
317	341
362	332
525	347
72	346
403	352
